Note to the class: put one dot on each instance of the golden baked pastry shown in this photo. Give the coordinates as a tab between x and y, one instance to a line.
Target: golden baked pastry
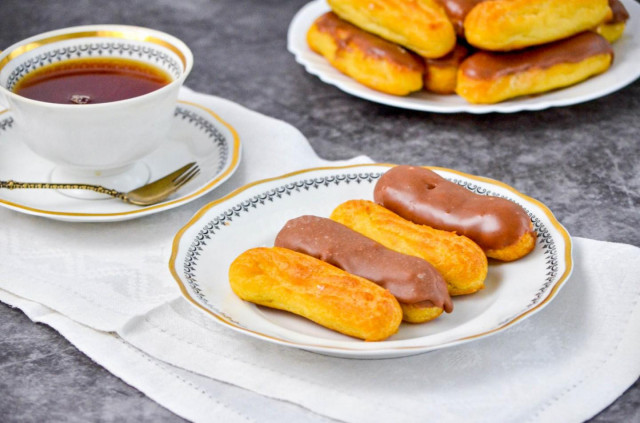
286	280
420	312
370	60
461	262
504	25
441	75
419	25
613	27
500	227
611	31
416	284
486	77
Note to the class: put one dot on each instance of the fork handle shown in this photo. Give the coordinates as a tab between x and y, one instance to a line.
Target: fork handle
38	185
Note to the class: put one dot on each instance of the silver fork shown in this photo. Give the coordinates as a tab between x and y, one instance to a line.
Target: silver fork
145	195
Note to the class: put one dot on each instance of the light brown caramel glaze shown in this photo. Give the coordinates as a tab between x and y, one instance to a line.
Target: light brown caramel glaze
485	65
410	279
424	197
371	45
457	10
452	59
620	13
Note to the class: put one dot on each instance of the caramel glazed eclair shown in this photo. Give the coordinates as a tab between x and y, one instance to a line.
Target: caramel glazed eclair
500	227
487	77
416	284
370	60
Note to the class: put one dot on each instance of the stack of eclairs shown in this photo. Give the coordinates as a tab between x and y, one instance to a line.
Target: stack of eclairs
373	264
486	51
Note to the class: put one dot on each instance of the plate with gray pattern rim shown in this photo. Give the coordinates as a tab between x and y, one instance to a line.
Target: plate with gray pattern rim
198	134
252	216
623	72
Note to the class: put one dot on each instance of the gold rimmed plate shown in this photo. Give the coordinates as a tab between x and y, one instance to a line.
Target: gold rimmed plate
252	216
198	135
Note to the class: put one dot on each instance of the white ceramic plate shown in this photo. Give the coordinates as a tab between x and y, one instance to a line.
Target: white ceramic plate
252	216
198	134
624	70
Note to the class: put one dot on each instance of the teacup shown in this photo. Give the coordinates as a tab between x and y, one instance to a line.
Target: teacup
94	140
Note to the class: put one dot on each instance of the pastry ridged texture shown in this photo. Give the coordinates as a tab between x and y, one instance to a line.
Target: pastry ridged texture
346	48
503	25
419	25
287	280
461	261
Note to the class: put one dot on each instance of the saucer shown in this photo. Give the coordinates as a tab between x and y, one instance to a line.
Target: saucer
198	135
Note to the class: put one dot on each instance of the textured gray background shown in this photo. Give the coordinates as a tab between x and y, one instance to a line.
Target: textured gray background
582	161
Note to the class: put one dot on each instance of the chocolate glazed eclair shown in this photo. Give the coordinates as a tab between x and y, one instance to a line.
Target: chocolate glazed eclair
500	227
486	77
417	285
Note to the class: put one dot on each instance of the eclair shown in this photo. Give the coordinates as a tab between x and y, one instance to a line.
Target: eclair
370	60
416	284
504	25
502	228
286	280
457	10
613	27
419	25
460	261
486	77
441	75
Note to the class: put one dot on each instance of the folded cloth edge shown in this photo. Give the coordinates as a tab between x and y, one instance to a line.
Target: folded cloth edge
152	377
626	351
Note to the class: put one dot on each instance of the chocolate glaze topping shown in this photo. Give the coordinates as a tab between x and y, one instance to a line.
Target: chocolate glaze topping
457	10
422	196
410	279
452	59
371	45
620	13
486	65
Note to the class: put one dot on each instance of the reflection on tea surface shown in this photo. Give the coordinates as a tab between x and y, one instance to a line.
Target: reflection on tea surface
91	80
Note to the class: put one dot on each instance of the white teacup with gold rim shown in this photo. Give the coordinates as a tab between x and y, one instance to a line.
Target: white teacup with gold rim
95	99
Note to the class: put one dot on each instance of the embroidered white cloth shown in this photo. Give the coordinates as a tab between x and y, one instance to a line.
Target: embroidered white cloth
107	288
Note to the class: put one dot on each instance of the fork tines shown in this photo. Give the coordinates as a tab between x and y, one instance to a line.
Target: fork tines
187	176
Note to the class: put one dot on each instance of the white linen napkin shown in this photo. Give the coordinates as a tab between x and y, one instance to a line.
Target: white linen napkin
106	287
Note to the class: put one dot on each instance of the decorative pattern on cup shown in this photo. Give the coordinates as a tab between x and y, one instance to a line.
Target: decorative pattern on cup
103	49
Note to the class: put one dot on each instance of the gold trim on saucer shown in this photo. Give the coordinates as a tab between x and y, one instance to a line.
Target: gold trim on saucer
384	348
235	158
